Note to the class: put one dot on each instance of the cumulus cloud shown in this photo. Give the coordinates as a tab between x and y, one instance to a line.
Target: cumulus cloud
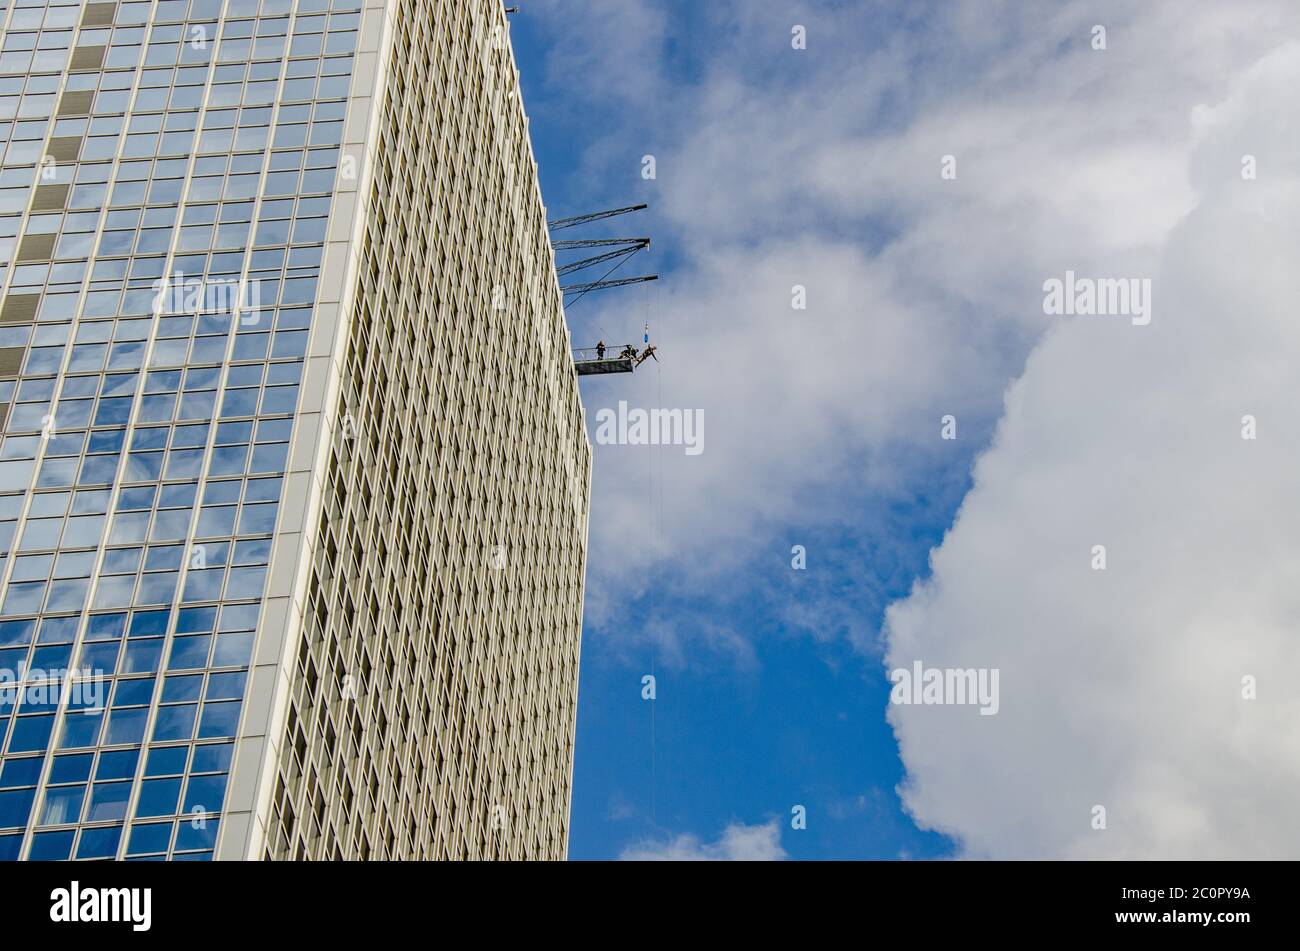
738	843
1120	688
1123	688
820	168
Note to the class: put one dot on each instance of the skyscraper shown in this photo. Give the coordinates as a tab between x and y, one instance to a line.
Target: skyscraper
294	477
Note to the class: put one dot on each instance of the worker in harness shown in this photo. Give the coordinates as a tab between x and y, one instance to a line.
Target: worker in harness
649	352
600	350
629	353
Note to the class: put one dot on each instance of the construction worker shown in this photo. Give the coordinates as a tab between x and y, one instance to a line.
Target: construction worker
649	352
600	350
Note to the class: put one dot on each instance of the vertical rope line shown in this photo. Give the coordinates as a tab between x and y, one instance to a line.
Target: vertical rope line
654	538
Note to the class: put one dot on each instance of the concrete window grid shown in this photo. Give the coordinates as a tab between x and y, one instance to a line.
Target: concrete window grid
367	460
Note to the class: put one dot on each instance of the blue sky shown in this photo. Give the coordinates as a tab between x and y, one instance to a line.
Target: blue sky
800	724
819	169
790	719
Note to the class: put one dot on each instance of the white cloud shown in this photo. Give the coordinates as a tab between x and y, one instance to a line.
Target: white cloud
821	168
1118	688
739	843
1123	688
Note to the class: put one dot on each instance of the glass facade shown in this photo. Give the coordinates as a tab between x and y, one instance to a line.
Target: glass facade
165	190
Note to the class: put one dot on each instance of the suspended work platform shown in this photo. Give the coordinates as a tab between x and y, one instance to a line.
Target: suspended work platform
589	362
599	360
